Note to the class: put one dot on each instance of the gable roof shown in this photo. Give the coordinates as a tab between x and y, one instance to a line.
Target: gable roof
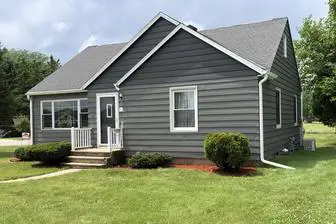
253	44
73	74
254	66
255	41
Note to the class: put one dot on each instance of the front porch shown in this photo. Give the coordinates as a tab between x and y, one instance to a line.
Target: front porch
85	155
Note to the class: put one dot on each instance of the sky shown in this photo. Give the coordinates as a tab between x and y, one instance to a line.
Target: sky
65	27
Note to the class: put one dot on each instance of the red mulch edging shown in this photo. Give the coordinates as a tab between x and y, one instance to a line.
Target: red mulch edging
214	169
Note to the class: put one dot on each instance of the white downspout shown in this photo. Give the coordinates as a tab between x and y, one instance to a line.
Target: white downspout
261	127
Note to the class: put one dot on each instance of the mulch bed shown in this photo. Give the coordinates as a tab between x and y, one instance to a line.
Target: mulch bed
244	171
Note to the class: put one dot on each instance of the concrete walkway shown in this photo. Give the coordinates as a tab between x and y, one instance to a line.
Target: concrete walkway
13	142
55	174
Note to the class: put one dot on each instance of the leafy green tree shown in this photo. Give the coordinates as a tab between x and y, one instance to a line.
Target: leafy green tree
20	70
316	54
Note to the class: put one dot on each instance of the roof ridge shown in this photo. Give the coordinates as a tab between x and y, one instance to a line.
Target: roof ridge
244	24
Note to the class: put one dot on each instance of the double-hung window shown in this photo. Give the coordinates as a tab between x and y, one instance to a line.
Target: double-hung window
278	107
183	109
64	114
295	108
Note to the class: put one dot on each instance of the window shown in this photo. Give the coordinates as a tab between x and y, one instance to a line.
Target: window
64	114
84	114
183	109
46	115
109	111
278	107
285	46
295	110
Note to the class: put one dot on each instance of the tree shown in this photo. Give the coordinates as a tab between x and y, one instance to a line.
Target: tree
20	70
316	54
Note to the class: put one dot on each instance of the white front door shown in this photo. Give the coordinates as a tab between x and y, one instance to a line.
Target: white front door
107	115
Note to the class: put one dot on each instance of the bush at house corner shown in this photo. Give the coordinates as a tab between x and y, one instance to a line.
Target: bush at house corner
228	150
48	153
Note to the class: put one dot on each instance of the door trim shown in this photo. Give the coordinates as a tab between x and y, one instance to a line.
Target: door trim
116	101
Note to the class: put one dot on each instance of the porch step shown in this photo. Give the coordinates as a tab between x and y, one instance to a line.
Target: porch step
84	165
88	159
90	153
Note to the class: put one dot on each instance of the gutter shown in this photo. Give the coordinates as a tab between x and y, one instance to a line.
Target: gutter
261	125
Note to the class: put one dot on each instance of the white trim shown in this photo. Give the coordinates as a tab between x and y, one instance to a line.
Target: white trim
31	120
56	92
53	113
258	68
109	107
279	125
116	111
172	90
296	111
261	128
139	34
284	39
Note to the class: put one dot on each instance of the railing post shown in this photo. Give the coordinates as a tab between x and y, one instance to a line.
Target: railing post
72	138
109	138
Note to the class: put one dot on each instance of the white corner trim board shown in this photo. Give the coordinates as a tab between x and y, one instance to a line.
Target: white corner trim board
139	34
258	68
261	128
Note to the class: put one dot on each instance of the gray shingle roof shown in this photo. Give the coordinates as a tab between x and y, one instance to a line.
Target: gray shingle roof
257	42
73	74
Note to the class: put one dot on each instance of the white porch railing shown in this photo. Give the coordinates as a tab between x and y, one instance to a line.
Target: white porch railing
80	138
115	138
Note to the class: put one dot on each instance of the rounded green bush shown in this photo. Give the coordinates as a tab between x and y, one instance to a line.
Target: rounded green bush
49	153
143	160
228	150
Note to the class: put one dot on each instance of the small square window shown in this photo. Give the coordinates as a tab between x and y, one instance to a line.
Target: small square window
285	46
278	107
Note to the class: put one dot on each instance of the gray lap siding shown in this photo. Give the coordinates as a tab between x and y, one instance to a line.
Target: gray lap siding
288	82
44	136
227	98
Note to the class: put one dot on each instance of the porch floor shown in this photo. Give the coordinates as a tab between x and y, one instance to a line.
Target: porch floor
99	149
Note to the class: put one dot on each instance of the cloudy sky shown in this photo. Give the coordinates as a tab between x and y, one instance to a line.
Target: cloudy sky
64	27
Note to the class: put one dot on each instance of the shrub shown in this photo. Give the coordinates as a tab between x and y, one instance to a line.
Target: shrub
49	153
228	150
149	160
20	153
21	123
117	157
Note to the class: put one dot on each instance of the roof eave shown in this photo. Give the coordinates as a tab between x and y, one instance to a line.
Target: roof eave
55	92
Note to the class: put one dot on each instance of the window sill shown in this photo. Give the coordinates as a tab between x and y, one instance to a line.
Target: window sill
184	130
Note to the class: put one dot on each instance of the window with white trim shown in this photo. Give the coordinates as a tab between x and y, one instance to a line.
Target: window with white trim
295	113
183	109
278	107
84	114
109	110
284	39
46	117
64	114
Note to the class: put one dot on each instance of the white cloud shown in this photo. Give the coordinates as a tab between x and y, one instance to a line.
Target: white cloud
61	26
92	40
46	42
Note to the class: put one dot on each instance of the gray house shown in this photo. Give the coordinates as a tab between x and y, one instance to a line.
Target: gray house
171	85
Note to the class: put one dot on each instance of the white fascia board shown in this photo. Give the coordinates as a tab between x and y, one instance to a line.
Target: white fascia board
139	34
252	65
55	92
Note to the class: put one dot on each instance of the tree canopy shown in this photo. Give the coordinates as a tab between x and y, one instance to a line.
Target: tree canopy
316	54
20	70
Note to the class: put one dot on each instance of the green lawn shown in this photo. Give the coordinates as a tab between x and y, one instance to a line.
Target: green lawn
317	127
305	195
13	170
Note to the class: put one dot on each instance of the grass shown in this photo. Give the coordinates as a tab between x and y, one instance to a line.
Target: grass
306	195
317	127
13	170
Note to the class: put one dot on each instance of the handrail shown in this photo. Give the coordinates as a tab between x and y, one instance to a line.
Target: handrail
80	138
115	138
